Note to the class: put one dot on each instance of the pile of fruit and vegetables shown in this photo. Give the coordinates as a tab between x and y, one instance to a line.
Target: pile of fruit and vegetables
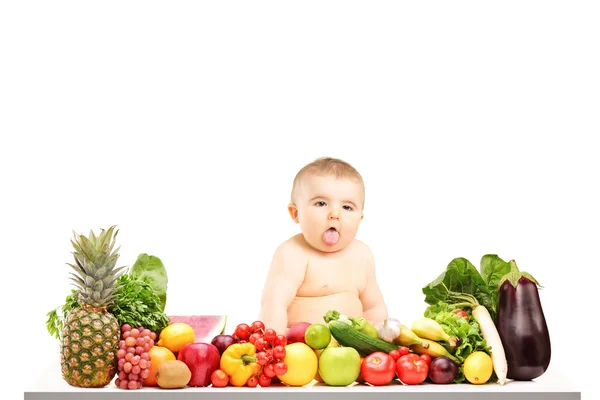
478	327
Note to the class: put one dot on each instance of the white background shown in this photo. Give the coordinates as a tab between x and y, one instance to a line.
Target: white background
184	124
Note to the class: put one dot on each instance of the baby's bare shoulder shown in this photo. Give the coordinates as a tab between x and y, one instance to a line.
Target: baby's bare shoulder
295	244
293	248
360	247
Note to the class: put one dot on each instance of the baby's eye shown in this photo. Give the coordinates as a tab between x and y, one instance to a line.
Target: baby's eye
348	208
320	204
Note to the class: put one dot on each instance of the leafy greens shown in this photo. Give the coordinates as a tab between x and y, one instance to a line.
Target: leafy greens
467	330
462	277
153	268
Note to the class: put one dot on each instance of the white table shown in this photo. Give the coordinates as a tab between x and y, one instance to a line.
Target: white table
553	385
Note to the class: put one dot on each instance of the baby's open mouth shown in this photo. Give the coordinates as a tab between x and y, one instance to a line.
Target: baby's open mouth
331	236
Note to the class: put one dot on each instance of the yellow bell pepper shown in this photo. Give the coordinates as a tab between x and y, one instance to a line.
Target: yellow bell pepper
239	362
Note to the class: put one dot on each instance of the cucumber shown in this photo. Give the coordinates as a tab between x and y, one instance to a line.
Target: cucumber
347	336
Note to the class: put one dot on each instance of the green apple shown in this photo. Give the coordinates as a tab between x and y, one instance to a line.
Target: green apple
339	366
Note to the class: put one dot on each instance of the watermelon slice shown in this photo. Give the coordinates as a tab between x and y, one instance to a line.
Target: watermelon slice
206	327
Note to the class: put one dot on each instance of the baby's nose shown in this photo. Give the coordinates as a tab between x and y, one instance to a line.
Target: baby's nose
334	215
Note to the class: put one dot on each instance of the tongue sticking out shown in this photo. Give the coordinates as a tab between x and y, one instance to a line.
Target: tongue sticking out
331	236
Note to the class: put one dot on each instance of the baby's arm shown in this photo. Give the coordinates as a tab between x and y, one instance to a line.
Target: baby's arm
285	276
374	307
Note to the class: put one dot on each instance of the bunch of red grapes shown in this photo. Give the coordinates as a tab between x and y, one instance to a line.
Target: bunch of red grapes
134	357
270	349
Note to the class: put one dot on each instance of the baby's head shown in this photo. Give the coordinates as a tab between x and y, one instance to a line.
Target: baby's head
327	201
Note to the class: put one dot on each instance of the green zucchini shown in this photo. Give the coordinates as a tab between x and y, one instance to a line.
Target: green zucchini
347	336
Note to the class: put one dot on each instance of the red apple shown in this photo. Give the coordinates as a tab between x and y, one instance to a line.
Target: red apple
296	332
202	359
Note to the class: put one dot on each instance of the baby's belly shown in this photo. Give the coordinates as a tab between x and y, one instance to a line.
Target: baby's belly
312	309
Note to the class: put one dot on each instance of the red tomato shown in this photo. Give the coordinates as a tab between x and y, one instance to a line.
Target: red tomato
264	380
395	354
255	336
260	344
280	340
461	313
279	353
403	350
426	358
269	370
219	378
257	327
280	368
252	381
242	331
378	368
270	335
411	369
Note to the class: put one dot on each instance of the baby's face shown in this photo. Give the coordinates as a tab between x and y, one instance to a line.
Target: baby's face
329	211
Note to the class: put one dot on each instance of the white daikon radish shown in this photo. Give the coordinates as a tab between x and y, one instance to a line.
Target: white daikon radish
492	339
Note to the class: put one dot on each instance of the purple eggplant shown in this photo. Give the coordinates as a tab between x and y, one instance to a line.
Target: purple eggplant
522	326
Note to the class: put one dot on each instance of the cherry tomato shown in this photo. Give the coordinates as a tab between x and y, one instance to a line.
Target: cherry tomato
253	381
270	335
264	380
411	369
257	327
254	337
280	368
242	331
461	313
260	344
279	353
403	350
426	358
395	354
280	340
269	371
378	368
261	358
219	378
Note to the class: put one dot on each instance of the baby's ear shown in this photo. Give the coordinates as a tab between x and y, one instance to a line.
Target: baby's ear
293	212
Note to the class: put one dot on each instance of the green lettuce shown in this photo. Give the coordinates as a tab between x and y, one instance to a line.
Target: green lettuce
467	329
153	268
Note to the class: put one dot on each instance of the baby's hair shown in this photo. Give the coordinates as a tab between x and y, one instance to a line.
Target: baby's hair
328	166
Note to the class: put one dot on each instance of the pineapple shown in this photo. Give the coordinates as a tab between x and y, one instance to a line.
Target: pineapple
91	334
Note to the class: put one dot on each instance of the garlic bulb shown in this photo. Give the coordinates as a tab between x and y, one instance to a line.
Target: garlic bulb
389	330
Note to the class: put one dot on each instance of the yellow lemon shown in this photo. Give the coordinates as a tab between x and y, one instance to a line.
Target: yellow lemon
175	336
302	364
478	367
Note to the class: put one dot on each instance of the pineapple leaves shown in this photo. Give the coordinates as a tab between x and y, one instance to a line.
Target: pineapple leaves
99	287
100	273
89	281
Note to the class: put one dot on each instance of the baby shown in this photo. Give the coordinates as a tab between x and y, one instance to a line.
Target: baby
325	267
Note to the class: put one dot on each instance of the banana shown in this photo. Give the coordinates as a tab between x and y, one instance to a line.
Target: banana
434	349
408	337
428	328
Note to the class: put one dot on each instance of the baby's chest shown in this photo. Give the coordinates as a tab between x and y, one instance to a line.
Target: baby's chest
324	277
